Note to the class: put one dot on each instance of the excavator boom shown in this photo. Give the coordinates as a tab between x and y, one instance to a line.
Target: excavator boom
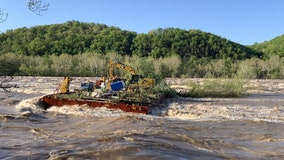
119	66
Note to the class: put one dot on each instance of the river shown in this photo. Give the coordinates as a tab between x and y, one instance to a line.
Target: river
251	127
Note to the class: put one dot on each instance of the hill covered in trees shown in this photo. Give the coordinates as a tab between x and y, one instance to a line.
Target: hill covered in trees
272	47
75	37
84	49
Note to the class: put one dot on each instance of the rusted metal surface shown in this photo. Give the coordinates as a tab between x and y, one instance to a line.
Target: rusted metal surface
55	100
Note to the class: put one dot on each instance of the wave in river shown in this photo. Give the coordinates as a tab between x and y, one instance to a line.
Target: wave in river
183	108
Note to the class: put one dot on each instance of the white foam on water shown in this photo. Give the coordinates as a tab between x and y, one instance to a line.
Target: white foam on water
209	112
30	106
176	110
83	110
33	105
200	110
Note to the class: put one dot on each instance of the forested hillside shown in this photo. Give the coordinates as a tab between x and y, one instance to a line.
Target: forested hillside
84	49
272	47
74	37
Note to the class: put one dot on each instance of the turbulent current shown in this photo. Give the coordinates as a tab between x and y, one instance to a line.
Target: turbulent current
251	127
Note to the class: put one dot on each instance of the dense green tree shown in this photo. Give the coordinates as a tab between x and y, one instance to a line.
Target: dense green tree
142	45
9	64
113	39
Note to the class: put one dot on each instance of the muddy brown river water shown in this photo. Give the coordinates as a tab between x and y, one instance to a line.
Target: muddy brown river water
251	127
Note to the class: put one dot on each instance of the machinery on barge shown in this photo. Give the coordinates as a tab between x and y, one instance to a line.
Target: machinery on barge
134	94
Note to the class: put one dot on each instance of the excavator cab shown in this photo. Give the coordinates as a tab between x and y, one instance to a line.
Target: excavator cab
135	79
87	87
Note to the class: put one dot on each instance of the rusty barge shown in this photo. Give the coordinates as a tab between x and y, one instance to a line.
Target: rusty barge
72	98
130	95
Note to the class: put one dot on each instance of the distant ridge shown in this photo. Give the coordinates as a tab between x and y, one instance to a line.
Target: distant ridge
272	47
74	37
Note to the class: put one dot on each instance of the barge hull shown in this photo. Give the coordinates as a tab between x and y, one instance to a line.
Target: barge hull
53	100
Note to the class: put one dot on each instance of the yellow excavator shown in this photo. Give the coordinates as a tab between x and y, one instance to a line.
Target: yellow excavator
135	81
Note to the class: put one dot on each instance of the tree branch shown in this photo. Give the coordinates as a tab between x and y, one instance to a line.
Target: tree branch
38	6
3	16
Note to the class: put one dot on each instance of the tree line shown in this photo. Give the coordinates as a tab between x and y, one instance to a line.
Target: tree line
96	65
75	37
84	49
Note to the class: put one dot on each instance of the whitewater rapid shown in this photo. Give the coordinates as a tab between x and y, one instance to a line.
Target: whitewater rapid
250	127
